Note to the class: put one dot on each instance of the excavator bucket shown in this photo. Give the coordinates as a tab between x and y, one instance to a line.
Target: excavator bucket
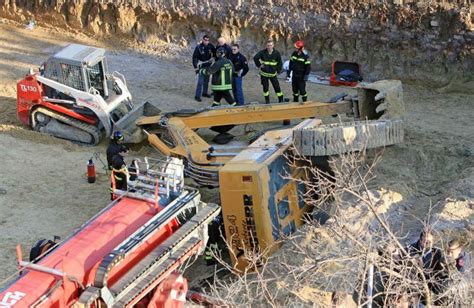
381	100
132	133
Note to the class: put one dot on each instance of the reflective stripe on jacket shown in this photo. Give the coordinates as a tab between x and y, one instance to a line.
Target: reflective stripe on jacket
272	64
221	71
300	64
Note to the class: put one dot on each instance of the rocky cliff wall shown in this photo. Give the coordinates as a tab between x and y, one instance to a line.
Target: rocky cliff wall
406	39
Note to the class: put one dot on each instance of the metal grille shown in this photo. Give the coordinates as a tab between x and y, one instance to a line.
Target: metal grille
153	178
72	76
52	72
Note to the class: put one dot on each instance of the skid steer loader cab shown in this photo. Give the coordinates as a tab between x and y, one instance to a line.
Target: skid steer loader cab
80	67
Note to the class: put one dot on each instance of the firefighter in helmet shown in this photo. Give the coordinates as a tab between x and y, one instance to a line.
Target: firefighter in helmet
300	67
113	147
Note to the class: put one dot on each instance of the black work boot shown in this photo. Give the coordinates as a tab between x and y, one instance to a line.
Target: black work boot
304	98
267	99
295	98
280	99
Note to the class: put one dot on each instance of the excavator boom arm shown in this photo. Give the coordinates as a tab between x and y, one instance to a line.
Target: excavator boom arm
257	114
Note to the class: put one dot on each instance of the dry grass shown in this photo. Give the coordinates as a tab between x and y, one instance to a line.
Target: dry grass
324	264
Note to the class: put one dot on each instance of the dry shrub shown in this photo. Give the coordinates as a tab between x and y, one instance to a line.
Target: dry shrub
329	263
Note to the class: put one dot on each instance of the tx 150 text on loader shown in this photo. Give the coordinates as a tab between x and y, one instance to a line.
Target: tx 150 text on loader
74	97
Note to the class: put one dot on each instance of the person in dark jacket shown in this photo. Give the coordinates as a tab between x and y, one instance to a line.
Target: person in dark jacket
221	42
423	249
300	67
442	278
202	58
113	147
430	259
268	61
221	83
120	170
241	69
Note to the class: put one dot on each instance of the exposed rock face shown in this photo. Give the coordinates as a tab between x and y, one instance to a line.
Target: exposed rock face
391	38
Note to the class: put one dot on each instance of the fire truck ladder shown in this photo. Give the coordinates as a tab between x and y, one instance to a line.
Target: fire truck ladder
189	239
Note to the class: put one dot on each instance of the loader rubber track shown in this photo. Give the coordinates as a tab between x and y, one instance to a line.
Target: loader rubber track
90	129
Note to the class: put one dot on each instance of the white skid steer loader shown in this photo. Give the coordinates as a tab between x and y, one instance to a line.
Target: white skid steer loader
73	97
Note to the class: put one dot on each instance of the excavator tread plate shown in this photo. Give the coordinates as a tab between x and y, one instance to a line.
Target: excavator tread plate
91	129
160	259
340	138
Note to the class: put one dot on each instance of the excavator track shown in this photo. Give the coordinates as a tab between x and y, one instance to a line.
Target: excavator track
132	292
67	128
160	260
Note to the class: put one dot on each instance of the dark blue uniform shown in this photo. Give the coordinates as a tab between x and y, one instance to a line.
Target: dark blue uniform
241	69
120	172
112	149
202	58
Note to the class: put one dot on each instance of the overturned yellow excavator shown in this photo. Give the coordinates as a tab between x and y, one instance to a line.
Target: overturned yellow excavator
261	203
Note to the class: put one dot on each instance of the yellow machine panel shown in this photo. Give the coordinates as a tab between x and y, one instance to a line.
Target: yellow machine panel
261	204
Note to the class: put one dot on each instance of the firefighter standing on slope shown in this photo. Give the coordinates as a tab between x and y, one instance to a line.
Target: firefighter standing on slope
300	65
221	81
268	61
